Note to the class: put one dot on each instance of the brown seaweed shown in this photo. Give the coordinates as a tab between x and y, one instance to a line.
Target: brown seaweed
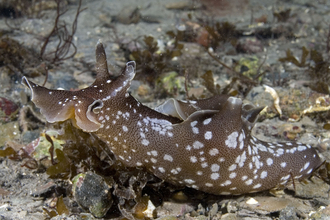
18	58
282	16
222	32
151	62
64	36
317	68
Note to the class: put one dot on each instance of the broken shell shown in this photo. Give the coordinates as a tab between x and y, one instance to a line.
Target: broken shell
276	98
252	201
150	210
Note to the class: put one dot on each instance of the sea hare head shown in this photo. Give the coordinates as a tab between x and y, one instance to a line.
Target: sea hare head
82	106
60	105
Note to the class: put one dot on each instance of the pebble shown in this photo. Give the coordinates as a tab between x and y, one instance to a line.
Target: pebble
307	188
229	216
267	205
92	193
183	5
173	209
289	213
29	136
214	210
129	15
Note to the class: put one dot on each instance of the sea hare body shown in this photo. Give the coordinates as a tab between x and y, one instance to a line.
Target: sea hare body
203	144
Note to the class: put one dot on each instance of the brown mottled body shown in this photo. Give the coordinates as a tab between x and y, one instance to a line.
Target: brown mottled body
205	145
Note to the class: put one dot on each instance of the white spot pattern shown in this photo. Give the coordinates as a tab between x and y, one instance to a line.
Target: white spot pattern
208	135
207	121
198	145
231	141
215	176
168	157
193	159
213	151
215	167
269	161
263	174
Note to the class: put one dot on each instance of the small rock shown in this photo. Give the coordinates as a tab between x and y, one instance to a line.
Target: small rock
73	217
316	188
214	210
200	210
229	205
129	15
173	209
201	217
92	193
289	213
167	218
29	136
321	214
326	210
183	5
268	205
229	216
40	27
151	18
4	193
250	45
